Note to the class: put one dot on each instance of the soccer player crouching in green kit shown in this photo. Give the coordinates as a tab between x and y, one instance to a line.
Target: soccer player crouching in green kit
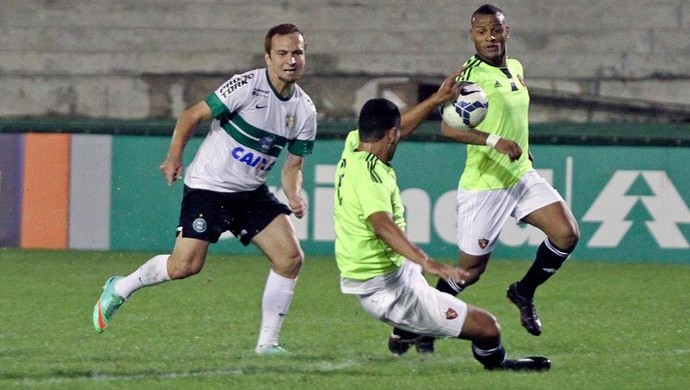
379	265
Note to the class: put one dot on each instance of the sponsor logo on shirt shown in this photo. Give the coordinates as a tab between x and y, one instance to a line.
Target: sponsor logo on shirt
260	92
256	161
234	83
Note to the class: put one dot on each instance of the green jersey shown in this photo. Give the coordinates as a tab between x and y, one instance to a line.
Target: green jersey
364	185
507	117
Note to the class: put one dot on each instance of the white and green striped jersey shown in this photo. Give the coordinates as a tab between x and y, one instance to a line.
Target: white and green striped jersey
252	125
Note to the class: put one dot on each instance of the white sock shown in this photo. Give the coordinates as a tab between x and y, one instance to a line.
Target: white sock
275	305
152	272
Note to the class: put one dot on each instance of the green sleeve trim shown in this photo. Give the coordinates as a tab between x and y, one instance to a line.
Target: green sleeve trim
218	108
301	148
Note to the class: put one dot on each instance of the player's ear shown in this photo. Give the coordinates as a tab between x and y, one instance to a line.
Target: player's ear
391	134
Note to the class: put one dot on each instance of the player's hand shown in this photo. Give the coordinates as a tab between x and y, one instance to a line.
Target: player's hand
456	277
449	273
449	88
509	148
172	170
298	206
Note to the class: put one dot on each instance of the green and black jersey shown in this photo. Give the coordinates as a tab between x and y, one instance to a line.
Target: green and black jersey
507	117
364	185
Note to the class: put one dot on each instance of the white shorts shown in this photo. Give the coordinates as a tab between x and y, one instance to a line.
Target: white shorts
410	303
482	214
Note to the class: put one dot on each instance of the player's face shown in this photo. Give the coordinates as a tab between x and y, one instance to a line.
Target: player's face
286	60
489	34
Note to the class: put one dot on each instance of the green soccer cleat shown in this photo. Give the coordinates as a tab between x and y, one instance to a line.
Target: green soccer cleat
271	350
107	305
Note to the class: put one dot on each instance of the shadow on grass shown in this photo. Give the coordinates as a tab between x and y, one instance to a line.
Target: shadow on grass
245	366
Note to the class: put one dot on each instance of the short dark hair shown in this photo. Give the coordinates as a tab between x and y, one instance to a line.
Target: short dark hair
487	9
281	29
376	117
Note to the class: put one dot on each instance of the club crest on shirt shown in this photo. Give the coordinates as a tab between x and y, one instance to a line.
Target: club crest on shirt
483	242
199	225
290	121
266	143
451	314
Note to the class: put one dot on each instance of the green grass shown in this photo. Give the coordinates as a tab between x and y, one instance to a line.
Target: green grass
606	326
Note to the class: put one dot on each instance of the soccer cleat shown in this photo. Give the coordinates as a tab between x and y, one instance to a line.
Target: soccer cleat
271	350
529	363
107	305
398	345
425	344
528	313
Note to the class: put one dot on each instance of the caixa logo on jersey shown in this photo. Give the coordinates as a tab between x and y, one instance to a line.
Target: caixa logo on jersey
642	202
253	160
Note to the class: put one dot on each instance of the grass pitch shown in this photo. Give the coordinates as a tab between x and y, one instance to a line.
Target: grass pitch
606	326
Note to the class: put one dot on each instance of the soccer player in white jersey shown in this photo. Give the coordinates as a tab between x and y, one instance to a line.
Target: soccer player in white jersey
256	115
498	180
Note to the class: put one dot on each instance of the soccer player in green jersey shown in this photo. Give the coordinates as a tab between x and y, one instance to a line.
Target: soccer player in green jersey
498	180
379	265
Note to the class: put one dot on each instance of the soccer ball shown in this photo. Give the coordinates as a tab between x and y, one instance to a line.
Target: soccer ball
468	110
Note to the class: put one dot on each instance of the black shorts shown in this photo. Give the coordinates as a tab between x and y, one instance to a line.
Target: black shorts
205	214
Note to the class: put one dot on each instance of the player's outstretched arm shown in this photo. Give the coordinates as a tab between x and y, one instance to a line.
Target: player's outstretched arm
413	117
386	229
186	125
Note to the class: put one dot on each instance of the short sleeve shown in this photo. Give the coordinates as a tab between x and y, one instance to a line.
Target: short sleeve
231	95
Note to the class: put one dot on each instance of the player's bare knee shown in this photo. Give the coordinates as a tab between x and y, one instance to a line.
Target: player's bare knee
192	268
572	240
572	236
296	261
481	327
183	271
471	279
289	265
567	240
491	330
475	274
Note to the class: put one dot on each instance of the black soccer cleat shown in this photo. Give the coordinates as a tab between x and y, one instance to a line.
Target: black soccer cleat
528	313
398	345
529	363
425	345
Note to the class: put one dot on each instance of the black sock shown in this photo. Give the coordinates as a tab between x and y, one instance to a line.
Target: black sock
443	286
549	259
489	358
